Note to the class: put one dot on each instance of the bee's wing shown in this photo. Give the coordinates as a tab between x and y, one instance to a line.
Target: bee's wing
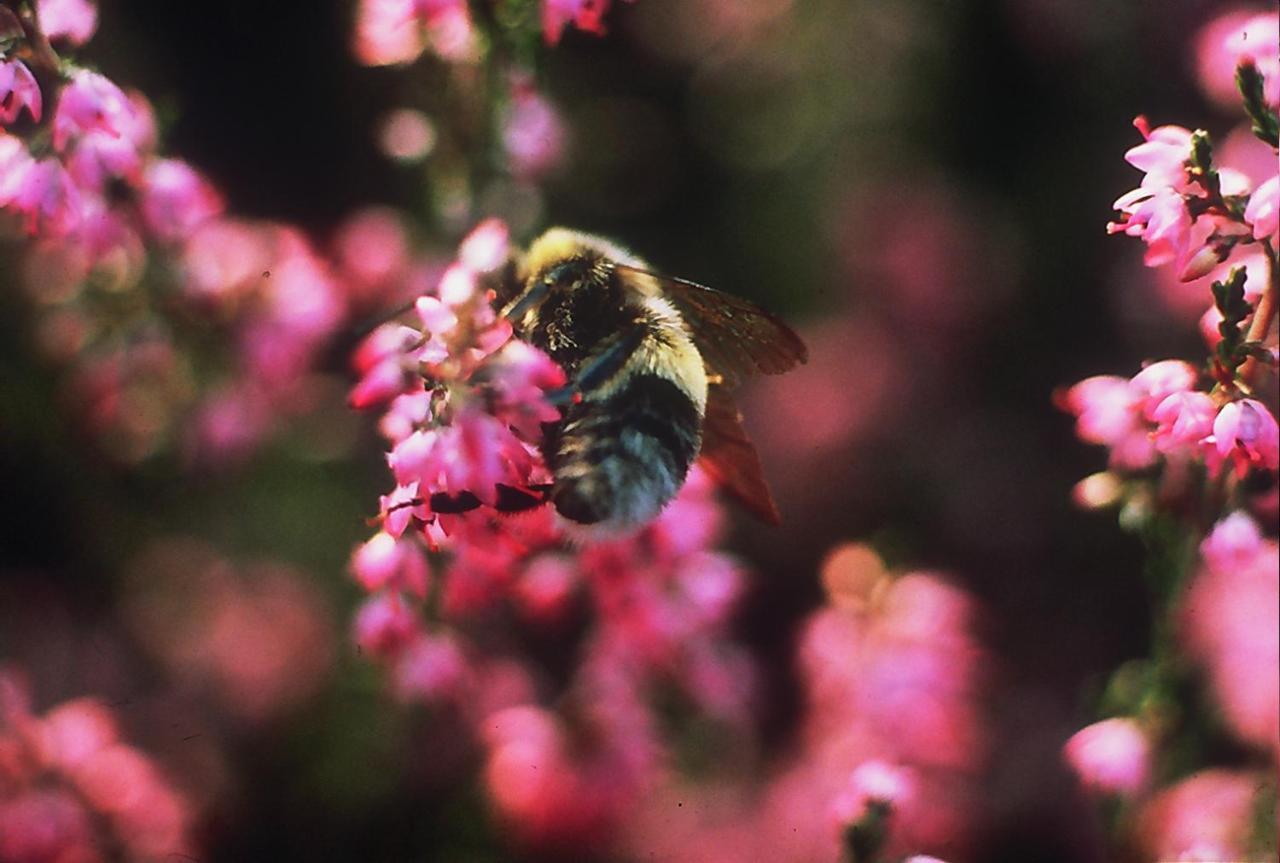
729	457
735	337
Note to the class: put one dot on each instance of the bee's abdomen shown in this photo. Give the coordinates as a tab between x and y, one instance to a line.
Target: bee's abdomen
620	460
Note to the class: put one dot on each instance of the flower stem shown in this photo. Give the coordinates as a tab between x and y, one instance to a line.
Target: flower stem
1264	313
40	54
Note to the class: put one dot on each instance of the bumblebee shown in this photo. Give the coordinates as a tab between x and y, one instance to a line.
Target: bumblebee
652	363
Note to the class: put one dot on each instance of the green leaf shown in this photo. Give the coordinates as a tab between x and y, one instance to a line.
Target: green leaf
1266	124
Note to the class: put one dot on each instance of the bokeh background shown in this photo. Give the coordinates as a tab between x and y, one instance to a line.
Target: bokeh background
921	187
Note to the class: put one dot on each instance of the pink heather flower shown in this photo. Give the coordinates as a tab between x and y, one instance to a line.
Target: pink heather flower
586	15
872	782
385	562
387	33
385	625
1108	412
72	788
15	163
372	251
1233	543
1263	211
407	135
47	197
1231	621
430	668
1112	756
1159	380
176	199
1246	433
398	31
90	102
43	825
483	250
1183	420
532	133
18	90
1206	817
1259	41
1162	156
72	20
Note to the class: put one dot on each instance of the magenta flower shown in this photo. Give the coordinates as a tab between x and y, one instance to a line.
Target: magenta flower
1112	756
586	15
873	782
71	786
1231	623
1158	380
72	20
385	625
398	31
1109	412
90	102
176	199
18	90
532	133
1183	421
385	562
1207	817
1263	212
1245	432
1163	156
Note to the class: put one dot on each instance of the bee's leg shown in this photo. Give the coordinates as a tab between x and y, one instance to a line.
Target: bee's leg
604	364
510	499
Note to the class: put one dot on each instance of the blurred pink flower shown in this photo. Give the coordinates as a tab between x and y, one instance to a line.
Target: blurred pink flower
1107	414
872	782
385	562
1207	817
532	132
90	102
176	199
1244	33
78	788
586	15
1112	756
372	254
255	639
1263	212
73	20
398	31
18	90
1231	618
385	625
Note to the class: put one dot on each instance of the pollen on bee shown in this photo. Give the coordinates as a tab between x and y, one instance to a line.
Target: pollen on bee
715	379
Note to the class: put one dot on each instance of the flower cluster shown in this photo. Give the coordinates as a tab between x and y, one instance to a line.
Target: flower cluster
388	32
71	789
1212	228
1187	443
112	223
889	745
459	582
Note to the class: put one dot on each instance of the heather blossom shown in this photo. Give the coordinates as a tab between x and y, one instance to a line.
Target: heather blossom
1190	447
70	786
18	92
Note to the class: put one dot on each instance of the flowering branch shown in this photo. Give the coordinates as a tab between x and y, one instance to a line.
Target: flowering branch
43	59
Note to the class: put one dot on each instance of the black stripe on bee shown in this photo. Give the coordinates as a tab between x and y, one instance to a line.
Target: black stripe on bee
621	459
